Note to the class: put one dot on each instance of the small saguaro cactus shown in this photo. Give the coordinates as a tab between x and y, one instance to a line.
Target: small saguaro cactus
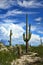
41	41
10	37
27	36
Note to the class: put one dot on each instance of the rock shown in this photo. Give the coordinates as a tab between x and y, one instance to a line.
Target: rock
37	59
34	54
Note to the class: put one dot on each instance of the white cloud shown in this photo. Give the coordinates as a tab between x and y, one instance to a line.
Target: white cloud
35	36
25	3
4	4
36	28
14	12
22	24
11	13
35	39
38	19
30	4
33	28
42	39
38	23
3	30
41	32
9	21
3	33
16	30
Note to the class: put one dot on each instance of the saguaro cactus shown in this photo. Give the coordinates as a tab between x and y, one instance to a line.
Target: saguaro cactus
41	41
27	36
10	37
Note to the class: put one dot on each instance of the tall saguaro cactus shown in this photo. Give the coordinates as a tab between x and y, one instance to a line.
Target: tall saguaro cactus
10	37
27	36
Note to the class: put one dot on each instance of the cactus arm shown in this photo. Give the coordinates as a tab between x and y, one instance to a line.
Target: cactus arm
24	38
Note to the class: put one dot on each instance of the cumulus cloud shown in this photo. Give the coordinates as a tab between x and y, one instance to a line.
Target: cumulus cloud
3	33
3	30
35	39
16	30
35	36
22	24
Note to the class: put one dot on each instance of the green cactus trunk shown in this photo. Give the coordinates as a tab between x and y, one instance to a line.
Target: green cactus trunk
27	37
26	33
26	46
10	36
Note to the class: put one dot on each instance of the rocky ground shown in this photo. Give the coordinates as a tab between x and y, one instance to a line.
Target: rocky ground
27	60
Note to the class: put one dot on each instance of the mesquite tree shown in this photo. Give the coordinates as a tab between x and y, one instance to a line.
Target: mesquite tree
27	36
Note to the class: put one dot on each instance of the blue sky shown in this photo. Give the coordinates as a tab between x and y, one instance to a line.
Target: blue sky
13	16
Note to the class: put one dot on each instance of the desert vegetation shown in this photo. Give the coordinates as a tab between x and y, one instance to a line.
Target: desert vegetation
9	54
13	53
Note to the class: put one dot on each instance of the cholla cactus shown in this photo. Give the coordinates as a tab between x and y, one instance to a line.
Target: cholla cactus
27	36
10	37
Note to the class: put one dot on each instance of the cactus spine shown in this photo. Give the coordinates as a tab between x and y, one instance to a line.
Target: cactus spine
10	37
27	36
